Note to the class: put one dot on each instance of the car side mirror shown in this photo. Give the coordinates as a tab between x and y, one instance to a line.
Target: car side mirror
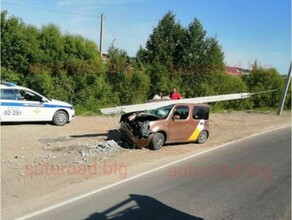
175	117
44	100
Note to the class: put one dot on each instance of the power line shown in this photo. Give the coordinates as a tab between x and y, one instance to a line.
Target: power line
64	12
115	39
50	10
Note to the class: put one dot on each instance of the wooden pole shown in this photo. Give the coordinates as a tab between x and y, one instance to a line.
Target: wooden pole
101	34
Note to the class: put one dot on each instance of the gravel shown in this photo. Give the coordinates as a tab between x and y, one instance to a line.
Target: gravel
102	149
81	149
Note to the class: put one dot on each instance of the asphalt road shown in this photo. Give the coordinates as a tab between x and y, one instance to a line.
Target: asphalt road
250	179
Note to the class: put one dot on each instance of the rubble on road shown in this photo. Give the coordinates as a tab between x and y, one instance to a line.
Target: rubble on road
79	150
102	149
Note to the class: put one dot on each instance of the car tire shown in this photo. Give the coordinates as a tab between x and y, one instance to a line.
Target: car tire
157	141
203	136
60	118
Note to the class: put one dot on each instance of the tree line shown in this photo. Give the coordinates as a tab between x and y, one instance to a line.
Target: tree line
69	67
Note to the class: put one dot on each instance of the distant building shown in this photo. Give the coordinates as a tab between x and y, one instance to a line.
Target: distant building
236	71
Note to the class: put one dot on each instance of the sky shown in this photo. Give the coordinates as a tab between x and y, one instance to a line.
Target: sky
247	30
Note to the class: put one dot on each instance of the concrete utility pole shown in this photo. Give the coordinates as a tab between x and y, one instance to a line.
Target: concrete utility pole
101	34
285	90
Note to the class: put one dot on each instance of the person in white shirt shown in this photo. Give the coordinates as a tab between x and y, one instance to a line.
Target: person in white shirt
157	96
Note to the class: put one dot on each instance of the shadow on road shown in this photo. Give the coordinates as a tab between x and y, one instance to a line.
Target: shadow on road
142	208
26	123
113	134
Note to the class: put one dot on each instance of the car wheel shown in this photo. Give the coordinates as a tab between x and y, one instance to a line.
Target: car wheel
203	136
60	118
157	141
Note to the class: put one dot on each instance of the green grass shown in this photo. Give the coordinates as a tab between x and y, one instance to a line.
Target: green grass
265	110
84	112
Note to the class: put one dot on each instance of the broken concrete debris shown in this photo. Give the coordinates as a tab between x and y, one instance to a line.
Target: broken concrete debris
104	149
68	147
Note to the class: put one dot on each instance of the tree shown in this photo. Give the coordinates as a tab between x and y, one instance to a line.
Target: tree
181	57
139	86
118	73
10	76
42	83
52	44
260	80
214	57
164	42
195	47
159	78
223	83
79	47
14	47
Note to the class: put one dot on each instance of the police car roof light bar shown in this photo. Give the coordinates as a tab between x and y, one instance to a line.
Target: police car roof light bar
8	83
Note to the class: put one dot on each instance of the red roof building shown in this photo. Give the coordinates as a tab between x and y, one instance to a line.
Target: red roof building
234	71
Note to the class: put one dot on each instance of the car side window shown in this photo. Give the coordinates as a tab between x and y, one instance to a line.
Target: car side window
182	112
200	112
29	96
8	94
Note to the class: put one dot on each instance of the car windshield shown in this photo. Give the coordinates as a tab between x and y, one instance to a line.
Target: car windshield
161	112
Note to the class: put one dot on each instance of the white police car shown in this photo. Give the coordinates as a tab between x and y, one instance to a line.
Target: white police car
19	104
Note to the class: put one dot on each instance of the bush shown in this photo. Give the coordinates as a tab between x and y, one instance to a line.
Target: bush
260	80
10	76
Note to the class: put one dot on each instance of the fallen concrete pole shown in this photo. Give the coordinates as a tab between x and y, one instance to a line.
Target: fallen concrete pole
157	104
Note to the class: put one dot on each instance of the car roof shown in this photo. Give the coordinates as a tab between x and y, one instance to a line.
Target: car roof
11	85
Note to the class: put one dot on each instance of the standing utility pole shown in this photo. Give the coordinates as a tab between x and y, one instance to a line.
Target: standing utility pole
101	34
285	90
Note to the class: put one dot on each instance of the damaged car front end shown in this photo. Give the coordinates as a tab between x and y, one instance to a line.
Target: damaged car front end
139	127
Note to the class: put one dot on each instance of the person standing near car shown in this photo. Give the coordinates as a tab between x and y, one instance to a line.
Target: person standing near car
174	94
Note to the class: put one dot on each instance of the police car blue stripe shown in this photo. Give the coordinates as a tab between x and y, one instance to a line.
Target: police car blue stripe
14	104
11	104
56	106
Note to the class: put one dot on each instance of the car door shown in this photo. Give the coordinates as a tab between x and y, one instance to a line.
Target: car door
179	127
11	105
34	106
198	121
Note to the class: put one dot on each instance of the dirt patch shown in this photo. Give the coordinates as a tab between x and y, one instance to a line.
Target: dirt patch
42	164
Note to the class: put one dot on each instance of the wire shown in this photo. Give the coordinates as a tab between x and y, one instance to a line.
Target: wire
115	39
50	10
272	90
64	12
